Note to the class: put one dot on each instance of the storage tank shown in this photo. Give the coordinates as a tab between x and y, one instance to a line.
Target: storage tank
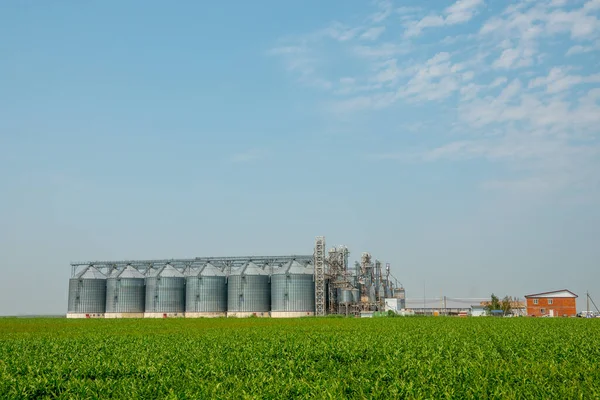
165	293
293	290
248	292
372	293
400	294
388	292
344	296
355	295
206	292
87	294
125	293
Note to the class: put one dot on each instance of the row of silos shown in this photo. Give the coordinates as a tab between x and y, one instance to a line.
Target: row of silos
203	291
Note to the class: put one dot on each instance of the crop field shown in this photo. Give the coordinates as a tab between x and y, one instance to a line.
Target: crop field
473	358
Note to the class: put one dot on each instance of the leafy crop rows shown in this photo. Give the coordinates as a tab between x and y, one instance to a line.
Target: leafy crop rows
474	358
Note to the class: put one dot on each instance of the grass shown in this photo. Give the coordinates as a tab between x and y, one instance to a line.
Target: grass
474	358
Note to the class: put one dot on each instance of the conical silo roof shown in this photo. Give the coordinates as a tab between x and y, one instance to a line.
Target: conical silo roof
193	270
249	269
114	272
152	272
91	273
130	272
169	271
211	270
294	268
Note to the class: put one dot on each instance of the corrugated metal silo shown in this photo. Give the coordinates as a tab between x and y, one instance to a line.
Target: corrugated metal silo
344	296
87	294
165	293
206	292
248	292
293	291
125	293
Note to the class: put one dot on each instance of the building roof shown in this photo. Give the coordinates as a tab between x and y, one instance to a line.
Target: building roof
553	294
513	303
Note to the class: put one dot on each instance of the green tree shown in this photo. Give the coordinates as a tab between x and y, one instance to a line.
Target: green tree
506	305
494	304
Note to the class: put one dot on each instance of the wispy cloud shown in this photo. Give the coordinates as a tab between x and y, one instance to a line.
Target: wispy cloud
373	33
460	12
542	126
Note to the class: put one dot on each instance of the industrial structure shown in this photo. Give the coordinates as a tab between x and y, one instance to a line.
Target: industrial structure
271	286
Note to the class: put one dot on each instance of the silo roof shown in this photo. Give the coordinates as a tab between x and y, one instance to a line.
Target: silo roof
211	270
250	269
130	272
91	273
295	268
193	271
152	272
114	272
169	271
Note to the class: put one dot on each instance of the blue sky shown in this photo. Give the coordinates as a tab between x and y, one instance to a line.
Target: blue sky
458	141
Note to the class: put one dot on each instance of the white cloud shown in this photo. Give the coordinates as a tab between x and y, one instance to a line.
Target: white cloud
436	79
514	57
373	33
521	27
542	127
581	49
558	80
499	81
460	12
385	10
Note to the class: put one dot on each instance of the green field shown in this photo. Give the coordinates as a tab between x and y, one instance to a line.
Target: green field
310	358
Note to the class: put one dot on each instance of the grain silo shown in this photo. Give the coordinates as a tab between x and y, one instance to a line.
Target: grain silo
87	294
248	292
125	293
165	293
206	292
344	296
293	291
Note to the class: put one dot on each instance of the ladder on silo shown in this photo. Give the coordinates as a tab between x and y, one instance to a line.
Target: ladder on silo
320	276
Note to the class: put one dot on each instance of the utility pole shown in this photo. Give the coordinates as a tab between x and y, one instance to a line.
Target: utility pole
587	297
423	298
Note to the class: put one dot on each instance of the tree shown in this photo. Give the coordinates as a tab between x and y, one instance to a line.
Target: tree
494	304
506	305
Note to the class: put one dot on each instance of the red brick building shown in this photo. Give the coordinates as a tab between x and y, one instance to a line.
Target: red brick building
560	303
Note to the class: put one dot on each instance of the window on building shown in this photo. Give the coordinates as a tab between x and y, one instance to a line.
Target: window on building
542	311
549	302
535	301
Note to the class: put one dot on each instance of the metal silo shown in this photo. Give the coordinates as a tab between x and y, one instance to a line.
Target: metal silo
125	294
388	292
400	294
344	296
248	292
293	291
206	292
87	294
355	295
165	293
